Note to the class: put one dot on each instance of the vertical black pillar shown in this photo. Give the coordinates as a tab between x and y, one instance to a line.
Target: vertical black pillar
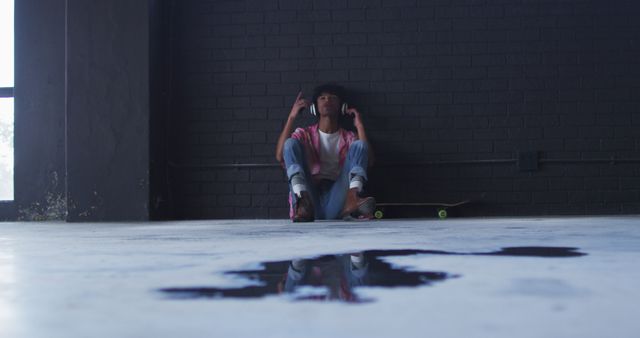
107	110
160	51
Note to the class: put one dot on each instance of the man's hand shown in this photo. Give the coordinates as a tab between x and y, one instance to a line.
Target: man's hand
299	104
362	135
357	120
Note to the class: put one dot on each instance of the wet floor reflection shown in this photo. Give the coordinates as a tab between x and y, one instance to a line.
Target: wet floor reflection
336	277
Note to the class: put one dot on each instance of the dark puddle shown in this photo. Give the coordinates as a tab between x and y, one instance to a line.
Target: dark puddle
336	277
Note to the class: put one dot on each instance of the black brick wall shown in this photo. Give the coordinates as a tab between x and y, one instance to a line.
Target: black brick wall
445	87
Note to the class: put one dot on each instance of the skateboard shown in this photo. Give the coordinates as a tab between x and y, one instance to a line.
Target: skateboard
442	213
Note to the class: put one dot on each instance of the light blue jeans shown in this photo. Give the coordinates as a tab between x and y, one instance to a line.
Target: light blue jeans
328	202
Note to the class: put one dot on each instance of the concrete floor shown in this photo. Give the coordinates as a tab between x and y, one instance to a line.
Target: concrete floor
102	280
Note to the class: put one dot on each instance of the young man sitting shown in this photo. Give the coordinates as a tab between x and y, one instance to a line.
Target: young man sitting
326	165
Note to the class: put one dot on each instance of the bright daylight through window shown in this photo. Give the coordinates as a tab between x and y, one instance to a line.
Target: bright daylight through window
6	100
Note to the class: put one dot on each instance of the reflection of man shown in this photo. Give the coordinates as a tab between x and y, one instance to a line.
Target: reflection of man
326	165
340	274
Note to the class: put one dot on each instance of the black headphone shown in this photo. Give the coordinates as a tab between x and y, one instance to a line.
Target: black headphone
314	110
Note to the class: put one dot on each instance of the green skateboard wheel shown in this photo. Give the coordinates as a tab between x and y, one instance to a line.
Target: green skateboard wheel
442	214
378	214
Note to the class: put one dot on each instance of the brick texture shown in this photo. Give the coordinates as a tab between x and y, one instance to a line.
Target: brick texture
457	81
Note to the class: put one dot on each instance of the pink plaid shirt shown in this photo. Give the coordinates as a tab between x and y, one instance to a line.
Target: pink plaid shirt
309	137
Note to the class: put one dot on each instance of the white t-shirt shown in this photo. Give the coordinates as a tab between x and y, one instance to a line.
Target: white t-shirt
329	155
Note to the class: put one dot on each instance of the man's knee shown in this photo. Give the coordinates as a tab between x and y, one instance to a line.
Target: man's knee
359	145
291	144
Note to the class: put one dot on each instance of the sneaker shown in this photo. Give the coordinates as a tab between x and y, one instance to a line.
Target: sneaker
304	209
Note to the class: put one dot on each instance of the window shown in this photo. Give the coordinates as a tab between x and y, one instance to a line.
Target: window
6	100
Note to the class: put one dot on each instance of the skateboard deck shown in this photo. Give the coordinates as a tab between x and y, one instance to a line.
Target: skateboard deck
441	208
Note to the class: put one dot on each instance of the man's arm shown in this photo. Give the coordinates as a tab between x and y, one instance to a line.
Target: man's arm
362	135
298	105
